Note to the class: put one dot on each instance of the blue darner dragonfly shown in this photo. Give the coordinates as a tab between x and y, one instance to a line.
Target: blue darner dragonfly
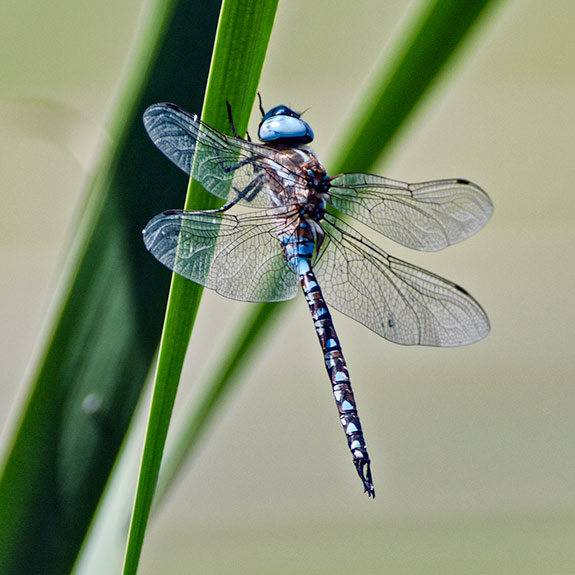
291	238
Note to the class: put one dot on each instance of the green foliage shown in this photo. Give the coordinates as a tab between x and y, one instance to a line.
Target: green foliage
107	327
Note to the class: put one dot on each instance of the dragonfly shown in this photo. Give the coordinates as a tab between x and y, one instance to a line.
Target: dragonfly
293	234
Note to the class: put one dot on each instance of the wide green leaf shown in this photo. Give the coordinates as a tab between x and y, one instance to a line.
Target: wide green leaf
107	326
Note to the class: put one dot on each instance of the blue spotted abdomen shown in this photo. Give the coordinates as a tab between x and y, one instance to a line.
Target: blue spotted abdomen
299	250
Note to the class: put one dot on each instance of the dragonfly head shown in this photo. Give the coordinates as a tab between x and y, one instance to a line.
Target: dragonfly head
283	125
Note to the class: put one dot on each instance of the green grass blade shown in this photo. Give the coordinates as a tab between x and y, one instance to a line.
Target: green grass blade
403	80
434	36
109	321
241	43
244	343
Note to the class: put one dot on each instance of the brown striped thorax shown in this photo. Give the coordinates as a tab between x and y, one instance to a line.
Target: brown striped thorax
285	131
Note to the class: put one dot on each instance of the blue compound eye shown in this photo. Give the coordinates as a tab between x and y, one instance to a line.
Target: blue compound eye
280	111
282	124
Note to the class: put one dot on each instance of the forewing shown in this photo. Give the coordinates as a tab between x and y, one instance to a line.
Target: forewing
401	302
230	168
428	216
239	257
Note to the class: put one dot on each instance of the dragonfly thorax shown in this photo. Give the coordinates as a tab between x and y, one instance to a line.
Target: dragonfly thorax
299	179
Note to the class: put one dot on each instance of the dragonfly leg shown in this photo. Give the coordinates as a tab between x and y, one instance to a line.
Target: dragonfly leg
228	169
250	191
261	105
248	194
231	119
233	126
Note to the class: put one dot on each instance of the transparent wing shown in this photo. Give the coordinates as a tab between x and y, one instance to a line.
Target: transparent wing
230	168
239	257
401	302
428	216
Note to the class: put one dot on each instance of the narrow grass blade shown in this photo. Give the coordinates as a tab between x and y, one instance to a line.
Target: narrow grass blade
106	331
404	79
245	340
241	43
421	54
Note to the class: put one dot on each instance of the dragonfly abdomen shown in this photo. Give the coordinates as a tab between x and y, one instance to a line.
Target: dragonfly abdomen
338	373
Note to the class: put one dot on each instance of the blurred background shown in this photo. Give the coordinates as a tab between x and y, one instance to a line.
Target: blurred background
472	448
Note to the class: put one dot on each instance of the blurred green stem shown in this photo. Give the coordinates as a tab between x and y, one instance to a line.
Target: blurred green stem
107	325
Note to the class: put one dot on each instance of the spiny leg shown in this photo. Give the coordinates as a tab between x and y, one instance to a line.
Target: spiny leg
233	126
248	193
231	119
261	105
